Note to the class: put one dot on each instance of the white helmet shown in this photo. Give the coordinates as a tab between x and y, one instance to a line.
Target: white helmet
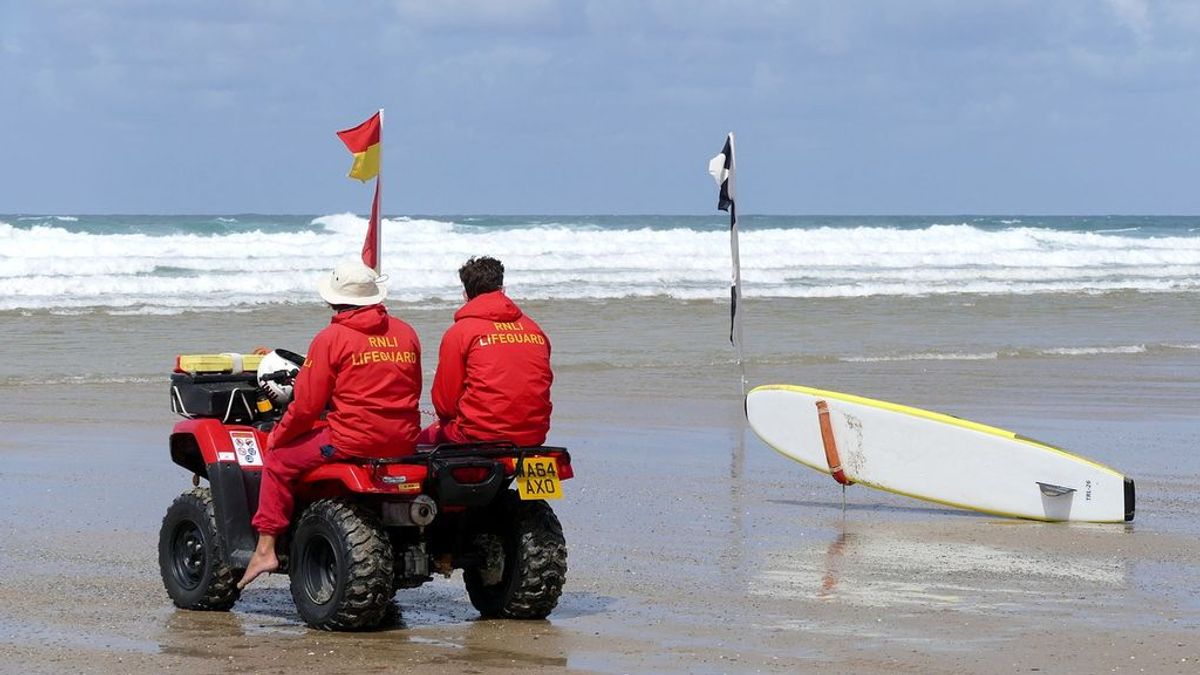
272	363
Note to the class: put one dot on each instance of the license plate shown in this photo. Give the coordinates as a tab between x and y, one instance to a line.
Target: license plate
539	479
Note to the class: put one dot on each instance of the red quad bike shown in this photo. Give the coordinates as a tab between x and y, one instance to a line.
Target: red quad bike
361	530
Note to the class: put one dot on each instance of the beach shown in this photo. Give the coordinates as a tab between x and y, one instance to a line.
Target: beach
966	235
692	546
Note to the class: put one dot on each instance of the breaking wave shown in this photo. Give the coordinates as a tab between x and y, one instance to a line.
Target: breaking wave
1027	353
61	263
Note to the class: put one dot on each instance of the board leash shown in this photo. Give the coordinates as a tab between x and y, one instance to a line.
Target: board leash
831	451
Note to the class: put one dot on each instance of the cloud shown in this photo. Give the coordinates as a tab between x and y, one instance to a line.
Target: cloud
566	81
1135	16
487	66
479	13
767	78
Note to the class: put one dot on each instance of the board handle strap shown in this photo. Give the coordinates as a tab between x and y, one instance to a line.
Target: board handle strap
831	451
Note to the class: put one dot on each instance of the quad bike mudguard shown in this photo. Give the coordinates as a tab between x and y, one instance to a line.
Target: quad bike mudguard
235	499
234	471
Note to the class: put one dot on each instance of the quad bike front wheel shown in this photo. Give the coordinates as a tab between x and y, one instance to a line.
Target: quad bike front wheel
524	561
341	567
190	557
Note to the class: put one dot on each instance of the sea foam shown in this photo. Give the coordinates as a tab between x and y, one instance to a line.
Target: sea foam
44	265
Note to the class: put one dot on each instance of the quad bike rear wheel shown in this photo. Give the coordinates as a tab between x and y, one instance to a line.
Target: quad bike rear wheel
190	557
525	561
341	567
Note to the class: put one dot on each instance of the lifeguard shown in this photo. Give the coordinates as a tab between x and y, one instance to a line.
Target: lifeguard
365	368
493	376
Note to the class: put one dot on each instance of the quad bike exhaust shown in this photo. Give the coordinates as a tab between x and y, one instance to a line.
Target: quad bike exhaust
417	513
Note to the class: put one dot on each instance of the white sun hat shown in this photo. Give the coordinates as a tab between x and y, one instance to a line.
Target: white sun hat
352	283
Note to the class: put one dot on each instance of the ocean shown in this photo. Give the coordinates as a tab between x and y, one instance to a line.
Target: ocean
168	264
936	311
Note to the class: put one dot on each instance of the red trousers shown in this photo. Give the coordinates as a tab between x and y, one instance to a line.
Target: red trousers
283	465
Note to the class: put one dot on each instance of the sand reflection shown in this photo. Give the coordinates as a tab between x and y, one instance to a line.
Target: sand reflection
892	566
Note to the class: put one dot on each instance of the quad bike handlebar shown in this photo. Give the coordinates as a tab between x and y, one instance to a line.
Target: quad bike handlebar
281	376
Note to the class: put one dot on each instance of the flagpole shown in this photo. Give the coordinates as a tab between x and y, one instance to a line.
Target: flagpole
723	169
365	143
735	291
379	203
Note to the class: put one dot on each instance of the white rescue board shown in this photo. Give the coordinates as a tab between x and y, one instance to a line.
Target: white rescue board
937	457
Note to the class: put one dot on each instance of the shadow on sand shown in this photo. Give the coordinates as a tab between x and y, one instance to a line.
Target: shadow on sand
884	508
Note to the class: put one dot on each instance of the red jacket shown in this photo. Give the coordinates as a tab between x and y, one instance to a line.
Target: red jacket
493	376
365	366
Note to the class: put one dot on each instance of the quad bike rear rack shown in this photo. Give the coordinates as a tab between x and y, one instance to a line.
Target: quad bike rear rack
443	462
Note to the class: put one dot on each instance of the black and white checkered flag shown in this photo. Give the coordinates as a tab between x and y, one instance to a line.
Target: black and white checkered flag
722	169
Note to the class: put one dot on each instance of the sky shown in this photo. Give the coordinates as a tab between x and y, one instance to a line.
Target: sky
601	106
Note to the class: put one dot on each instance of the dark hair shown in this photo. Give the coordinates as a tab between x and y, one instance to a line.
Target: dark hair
481	275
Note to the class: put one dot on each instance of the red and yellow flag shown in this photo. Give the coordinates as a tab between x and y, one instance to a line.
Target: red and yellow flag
363	141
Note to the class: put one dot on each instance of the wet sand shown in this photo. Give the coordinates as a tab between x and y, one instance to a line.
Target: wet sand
692	547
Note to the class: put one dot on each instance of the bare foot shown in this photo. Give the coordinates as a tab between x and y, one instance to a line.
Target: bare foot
260	563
